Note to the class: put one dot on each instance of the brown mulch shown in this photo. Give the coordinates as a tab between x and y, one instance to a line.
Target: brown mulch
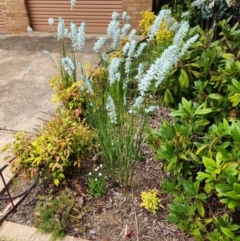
117	215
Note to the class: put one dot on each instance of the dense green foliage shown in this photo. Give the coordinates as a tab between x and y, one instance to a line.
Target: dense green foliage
58	148
194	71
200	147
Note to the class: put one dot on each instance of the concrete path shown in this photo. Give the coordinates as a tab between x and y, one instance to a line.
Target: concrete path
23	96
15	232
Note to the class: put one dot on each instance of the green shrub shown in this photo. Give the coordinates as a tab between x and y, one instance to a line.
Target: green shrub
206	73
200	147
59	147
72	98
204	158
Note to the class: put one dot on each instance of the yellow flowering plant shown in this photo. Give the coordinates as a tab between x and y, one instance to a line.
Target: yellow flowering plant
148	19
98	78
164	33
150	201
115	54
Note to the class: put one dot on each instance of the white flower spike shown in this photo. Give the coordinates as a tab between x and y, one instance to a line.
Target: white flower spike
29	29
50	21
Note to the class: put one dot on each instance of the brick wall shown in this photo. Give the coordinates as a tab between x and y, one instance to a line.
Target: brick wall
134	9
15	15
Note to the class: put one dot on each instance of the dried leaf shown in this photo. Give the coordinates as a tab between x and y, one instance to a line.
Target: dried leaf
94	158
77	187
78	112
74	181
80	202
130	234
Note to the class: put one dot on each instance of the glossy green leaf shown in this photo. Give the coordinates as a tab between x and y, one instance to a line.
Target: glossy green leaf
195	65
228	56
234	27
197	235
201	148
235	99
235	32
172	218
209	187
201	122
231	171
202	176
231	204
196	74
184	157
189	188
228	233
183	79
201	226
202	196
236	84
202	111
168	98
236	188
208	162
215	96
187	106
200	208
196	186
223	188
56	182
218	159
194	157
233	227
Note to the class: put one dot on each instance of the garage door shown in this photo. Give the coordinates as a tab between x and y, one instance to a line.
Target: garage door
96	13
2	23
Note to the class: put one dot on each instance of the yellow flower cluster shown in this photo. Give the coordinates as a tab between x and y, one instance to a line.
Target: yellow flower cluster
150	201
88	68
99	74
123	41
98	80
118	53
163	34
115	54
148	19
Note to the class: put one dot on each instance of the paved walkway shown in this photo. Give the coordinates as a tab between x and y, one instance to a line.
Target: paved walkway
15	232
23	96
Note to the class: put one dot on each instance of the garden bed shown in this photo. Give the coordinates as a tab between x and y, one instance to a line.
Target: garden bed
117	215
99	179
